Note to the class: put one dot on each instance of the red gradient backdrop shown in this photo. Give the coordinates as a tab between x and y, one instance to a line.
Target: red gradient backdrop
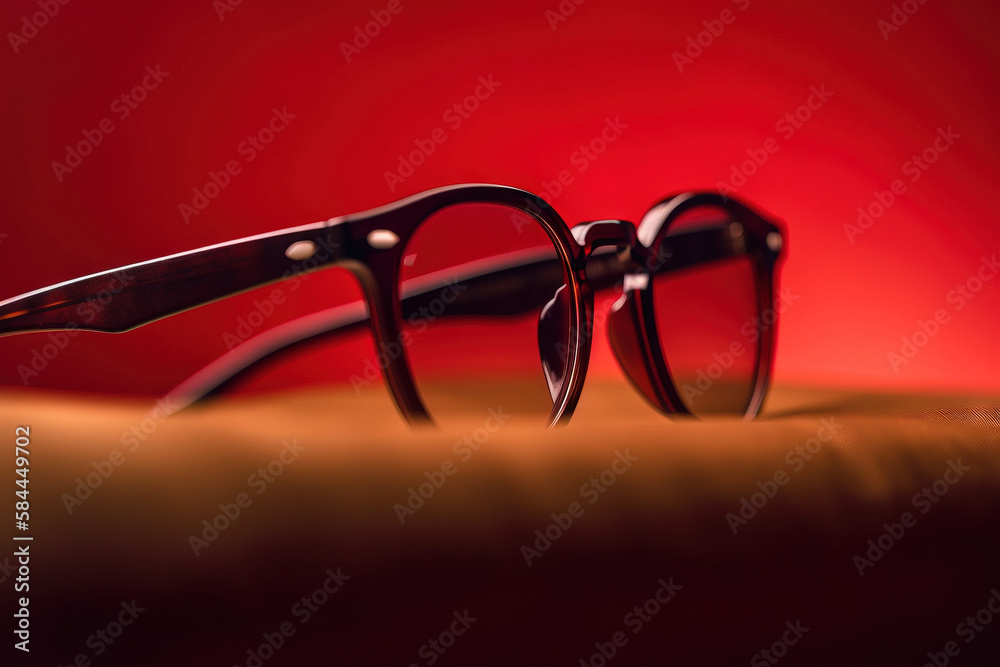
856	297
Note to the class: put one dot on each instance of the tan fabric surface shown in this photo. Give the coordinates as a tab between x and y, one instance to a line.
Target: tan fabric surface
664	517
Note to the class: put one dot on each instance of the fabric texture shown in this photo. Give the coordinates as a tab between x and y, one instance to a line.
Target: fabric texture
837	529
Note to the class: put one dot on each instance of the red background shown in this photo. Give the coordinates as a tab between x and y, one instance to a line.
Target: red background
608	59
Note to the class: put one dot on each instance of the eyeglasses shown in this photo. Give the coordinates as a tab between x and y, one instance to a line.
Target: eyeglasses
480	297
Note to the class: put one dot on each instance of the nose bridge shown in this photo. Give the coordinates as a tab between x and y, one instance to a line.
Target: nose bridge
600	233
628	329
604	269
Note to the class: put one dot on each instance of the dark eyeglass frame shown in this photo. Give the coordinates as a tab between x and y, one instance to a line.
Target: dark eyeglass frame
371	244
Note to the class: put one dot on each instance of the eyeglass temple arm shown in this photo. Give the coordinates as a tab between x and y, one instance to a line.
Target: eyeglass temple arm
125	298
511	290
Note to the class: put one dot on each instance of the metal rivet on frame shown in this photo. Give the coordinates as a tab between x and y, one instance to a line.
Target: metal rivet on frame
774	241
300	250
382	239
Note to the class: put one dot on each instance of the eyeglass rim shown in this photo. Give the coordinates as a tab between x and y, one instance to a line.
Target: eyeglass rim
377	269
766	240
